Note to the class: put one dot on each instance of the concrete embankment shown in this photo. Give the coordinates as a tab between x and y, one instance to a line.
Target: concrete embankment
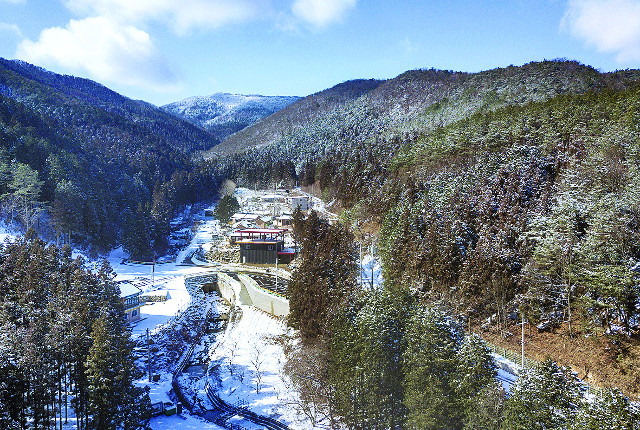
264	299
237	288
229	288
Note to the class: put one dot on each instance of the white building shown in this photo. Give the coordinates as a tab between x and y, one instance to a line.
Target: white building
273	198
301	202
130	296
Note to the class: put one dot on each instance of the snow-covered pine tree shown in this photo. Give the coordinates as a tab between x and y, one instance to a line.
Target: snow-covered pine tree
611	412
546	397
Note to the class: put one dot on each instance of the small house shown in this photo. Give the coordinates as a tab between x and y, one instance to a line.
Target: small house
263	221
284	221
130	297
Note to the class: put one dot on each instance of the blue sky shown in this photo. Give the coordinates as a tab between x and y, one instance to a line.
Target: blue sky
165	50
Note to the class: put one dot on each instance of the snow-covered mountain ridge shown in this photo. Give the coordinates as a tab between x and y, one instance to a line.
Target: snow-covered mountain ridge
223	114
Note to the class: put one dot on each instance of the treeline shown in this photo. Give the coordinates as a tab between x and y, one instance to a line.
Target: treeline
64	343
529	206
386	359
104	170
383	359
533	208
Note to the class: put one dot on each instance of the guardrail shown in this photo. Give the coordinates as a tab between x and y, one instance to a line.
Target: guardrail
147	263
530	363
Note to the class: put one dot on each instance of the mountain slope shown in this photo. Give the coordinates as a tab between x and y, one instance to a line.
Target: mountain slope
61	96
507	192
413	103
223	114
107	164
295	116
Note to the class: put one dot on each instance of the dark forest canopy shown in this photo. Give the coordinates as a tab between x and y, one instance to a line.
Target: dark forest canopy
63	328
109	170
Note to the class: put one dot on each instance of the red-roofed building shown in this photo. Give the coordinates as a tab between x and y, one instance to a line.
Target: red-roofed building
262	246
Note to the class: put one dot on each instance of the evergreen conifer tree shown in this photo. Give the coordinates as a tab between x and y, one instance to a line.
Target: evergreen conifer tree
546	397
611	411
431	367
325	276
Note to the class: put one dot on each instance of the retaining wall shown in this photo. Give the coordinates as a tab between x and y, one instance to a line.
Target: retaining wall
265	299
229	289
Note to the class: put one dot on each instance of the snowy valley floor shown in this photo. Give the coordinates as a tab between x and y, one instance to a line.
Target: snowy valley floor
249	348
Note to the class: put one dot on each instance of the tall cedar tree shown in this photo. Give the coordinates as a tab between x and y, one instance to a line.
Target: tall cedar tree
366	359
49	308
226	207
325	276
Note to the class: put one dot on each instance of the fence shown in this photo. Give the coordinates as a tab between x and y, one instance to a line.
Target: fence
530	363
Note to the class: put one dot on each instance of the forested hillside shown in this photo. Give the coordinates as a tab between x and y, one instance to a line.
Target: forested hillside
104	168
295	117
499	193
358	121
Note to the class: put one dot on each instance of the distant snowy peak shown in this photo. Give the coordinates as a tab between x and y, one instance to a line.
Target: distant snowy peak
223	114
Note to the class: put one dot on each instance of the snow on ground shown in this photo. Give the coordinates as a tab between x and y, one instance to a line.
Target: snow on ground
182	422
8	231
507	371
166	277
370	269
249	353
254	336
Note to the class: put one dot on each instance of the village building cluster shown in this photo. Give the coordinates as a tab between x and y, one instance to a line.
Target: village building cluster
260	233
262	230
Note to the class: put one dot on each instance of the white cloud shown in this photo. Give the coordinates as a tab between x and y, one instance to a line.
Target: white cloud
609	25
409	47
107	40
106	49
182	15
12	28
321	12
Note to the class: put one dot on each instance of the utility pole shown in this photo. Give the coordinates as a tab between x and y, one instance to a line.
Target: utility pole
153	272
372	263
149	354
522	365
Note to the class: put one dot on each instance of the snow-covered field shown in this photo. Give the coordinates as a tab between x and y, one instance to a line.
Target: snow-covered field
247	351
248	360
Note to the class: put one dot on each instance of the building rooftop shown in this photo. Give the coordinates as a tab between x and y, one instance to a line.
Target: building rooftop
128	289
263	230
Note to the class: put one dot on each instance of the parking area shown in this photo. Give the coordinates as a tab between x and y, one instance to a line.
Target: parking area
269	282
